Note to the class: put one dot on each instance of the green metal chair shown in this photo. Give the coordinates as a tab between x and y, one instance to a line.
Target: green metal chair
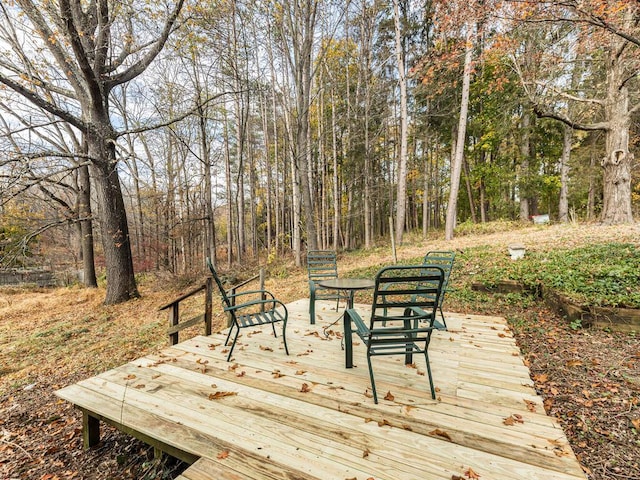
322	265
259	307
444	260
403	312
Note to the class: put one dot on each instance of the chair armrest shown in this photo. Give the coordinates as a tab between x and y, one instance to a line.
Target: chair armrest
362	329
252	303
252	292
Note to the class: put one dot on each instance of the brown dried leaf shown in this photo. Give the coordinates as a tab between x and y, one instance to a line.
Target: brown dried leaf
305	388
277	374
131	376
471	474
389	396
266	349
366	453
441	433
531	406
219	395
300	372
383	422
222	455
139	386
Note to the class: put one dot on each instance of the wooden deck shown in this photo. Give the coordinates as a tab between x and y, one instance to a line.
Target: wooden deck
266	415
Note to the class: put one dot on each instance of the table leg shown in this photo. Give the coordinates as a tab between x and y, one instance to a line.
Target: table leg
348	341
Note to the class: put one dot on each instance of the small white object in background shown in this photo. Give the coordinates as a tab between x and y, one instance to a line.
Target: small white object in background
516	250
540	219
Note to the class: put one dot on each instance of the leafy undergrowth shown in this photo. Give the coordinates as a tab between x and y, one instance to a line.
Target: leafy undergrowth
590	379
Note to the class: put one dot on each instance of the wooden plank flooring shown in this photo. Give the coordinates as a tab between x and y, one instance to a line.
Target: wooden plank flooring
266	415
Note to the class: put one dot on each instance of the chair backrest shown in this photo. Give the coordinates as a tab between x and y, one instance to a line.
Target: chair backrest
407	292
223	292
444	260
322	265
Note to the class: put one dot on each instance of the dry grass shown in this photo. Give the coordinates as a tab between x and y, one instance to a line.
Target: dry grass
53	337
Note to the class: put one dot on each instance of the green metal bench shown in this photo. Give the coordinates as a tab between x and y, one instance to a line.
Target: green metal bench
405	303
259	307
322	265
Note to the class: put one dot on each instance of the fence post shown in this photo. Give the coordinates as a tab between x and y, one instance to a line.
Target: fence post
173	321
262	295
208	298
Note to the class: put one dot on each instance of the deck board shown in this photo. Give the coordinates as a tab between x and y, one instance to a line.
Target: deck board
305	416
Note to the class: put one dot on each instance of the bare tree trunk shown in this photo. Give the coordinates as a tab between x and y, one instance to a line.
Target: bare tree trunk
616	180
563	202
467	180
525	153
456	166
401	200
229	193
86	227
336	190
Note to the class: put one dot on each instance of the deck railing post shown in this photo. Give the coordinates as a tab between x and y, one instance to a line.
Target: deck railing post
174	318
262	295
208	300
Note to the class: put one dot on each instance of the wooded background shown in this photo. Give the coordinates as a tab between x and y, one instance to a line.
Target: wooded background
175	130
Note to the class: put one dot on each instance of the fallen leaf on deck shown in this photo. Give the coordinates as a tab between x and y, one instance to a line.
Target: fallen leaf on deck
471	474
222	455
131	376
366	453
218	395
301	372
277	374
305	388
441	433
531	406
383	422
139	386
202	362
241	374
513	419
389	396
266	349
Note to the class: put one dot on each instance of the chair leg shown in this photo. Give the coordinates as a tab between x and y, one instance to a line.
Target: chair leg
373	382
273	326
284	337
312	309
444	322
234	343
433	390
226	342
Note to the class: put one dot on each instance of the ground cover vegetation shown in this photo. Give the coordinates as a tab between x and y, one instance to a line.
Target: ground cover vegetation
138	136
589	378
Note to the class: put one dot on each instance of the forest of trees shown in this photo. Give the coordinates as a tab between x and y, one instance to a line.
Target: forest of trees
164	132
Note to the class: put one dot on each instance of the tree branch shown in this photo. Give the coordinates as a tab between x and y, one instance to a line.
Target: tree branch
587	127
42	103
140	66
171	121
